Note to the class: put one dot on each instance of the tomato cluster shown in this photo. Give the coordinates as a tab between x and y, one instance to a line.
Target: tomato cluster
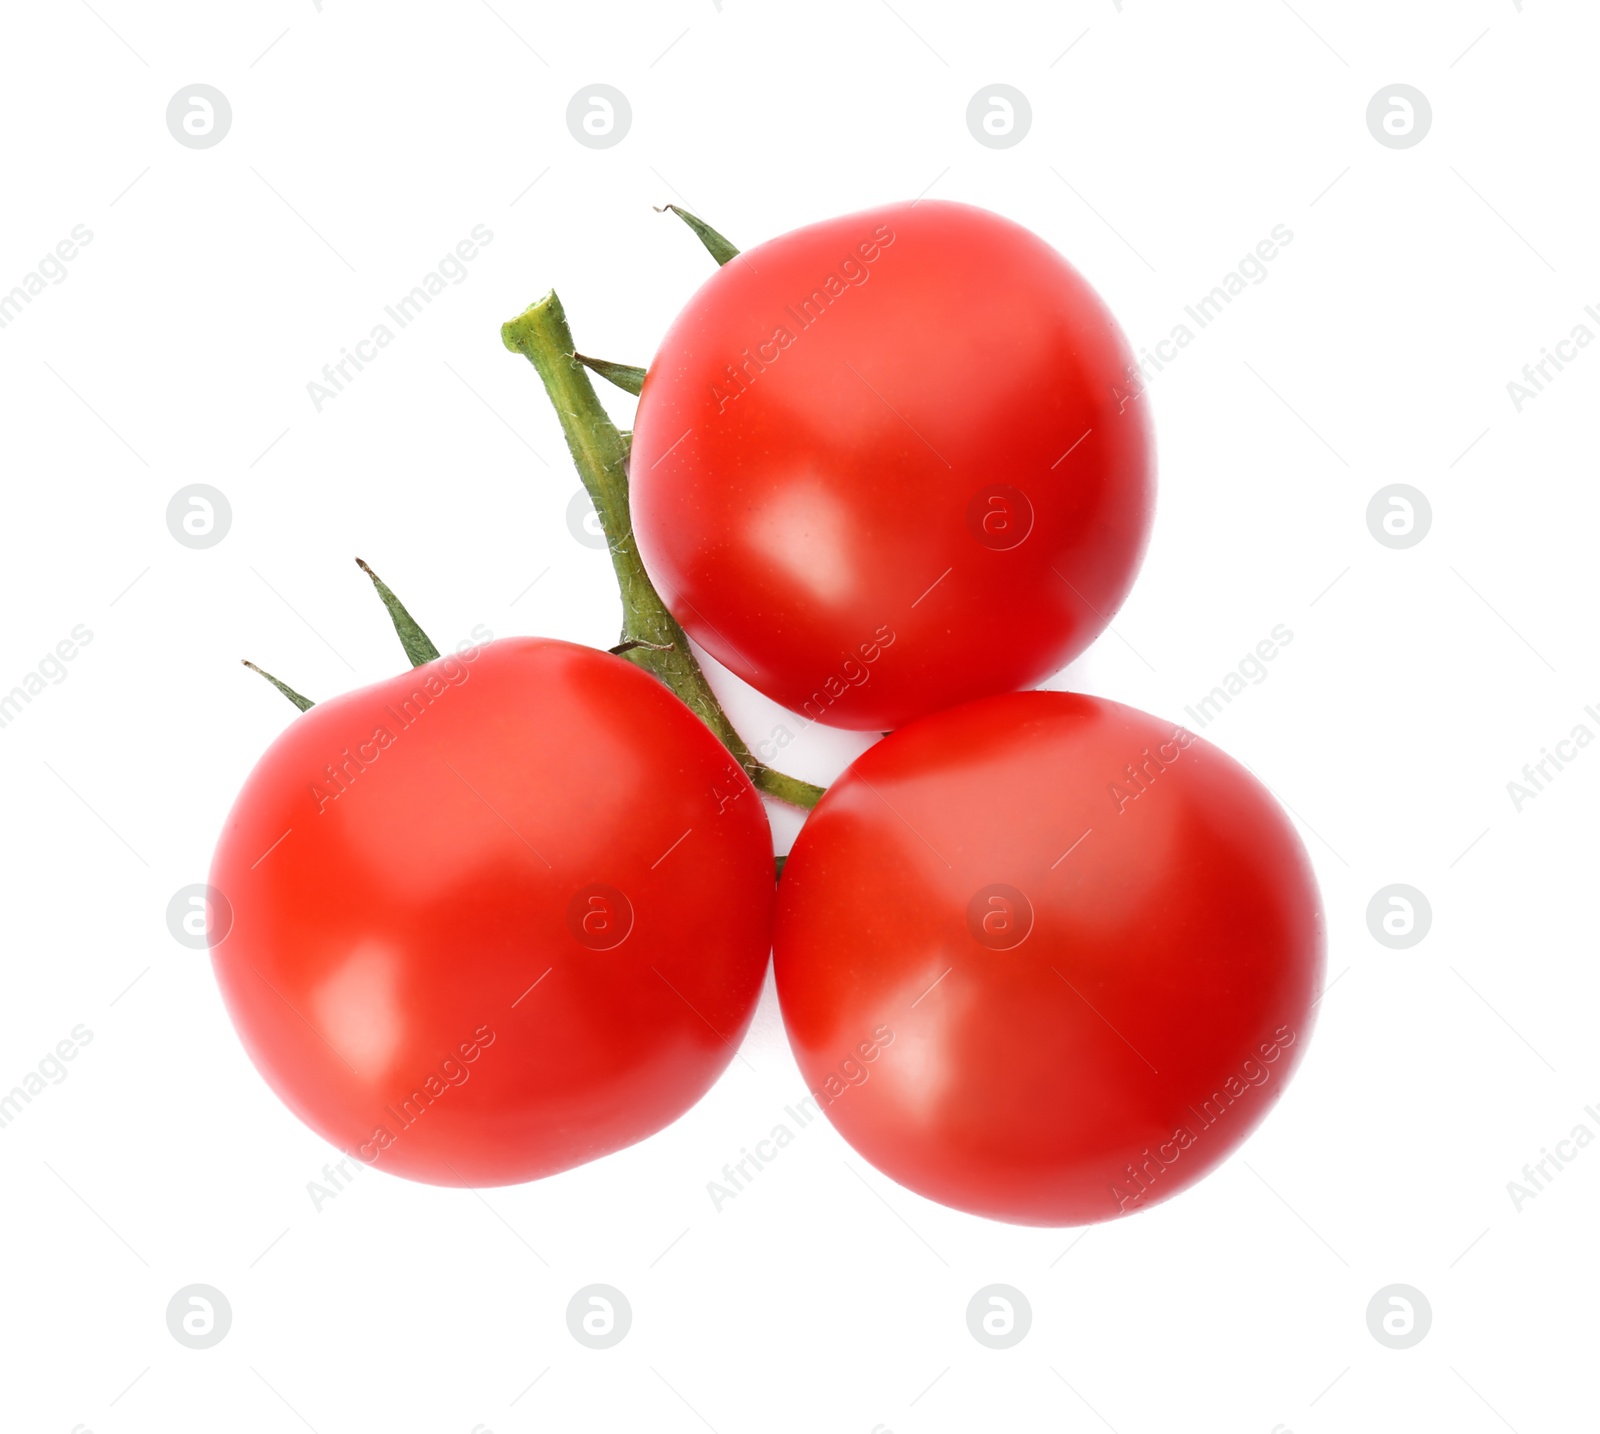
1040	956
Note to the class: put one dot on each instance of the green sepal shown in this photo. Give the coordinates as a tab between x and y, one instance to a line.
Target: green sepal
717	246
417	644
305	704
626	377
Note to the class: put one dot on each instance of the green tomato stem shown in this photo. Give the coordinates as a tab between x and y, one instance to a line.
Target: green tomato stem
651	636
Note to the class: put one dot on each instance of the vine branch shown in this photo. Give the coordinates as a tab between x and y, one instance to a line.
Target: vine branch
651	636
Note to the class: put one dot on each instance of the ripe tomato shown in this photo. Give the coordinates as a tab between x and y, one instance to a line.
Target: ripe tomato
888	463
495	917
1047	958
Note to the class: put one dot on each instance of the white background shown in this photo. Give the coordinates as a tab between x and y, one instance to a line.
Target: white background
1167	139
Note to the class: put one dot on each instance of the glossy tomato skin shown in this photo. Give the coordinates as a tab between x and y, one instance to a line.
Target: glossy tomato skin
495	917
894	461
1047	958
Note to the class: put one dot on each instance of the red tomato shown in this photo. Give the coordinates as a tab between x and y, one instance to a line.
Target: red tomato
891	462
1047	958
495	917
